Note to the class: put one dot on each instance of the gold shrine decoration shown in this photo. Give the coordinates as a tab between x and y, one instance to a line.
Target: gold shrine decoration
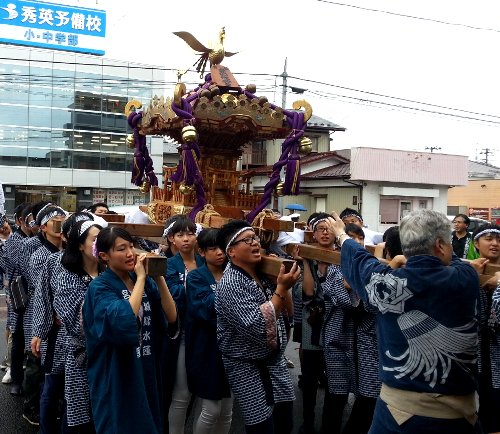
297	105
179	92
132	106
215	55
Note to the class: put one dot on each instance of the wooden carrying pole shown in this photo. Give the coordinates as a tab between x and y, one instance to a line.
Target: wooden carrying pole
321	254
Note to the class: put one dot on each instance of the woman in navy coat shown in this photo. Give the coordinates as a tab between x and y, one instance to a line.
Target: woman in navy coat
182	236
205	370
125	316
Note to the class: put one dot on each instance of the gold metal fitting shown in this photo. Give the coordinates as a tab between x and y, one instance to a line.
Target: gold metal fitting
305	145
130	141
189	134
186	189
252	88
145	187
279	188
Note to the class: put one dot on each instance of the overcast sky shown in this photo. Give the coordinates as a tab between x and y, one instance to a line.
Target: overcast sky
343	47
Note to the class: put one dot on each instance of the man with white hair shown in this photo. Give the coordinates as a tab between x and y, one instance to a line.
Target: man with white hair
427	327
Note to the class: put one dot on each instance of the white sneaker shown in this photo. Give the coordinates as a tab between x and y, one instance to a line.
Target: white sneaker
289	363
7	379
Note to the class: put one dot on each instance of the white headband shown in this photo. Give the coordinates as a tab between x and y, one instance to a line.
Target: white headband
317	222
487	231
248	228
168	229
86	225
51	215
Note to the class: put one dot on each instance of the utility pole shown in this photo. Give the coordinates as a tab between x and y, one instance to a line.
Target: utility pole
433	148
283	95
486	152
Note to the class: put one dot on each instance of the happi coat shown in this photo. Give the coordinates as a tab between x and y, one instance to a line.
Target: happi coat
124	355
252	339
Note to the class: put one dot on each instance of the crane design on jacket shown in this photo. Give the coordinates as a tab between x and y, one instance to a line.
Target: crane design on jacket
215	55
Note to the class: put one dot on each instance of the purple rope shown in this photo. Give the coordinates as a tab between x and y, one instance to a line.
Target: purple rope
290	145
142	165
188	171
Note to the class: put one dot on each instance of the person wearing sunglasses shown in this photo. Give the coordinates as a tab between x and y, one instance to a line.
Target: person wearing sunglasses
251	332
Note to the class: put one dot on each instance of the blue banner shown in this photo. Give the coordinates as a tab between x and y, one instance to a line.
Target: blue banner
53	26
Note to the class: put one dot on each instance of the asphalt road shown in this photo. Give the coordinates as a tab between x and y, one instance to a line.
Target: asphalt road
11	421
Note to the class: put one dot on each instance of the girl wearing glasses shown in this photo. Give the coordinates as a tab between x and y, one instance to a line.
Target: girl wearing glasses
251	332
182	236
323	288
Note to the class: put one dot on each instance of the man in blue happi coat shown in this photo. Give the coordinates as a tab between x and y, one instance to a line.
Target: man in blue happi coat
426	325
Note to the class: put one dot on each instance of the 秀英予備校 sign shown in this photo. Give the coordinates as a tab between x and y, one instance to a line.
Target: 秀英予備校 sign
49	25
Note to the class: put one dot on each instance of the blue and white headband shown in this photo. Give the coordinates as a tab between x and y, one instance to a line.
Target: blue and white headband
317	222
168	229
231	241
50	215
352	214
85	225
486	231
3	219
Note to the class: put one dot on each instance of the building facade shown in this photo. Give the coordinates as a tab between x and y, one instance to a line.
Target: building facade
63	129
481	196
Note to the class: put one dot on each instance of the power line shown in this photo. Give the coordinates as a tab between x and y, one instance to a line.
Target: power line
394	97
466	114
413	108
433	20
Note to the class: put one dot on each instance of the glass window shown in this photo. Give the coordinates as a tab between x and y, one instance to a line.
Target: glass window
38	157
14	114
62	118
63	76
13	156
39	117
113	161
38	138
114	104
61	158
115	79
63	94
114	123
158	85
85	120
88	83
40	91
60	139
113	143
87	101
13	136
14	83
86	160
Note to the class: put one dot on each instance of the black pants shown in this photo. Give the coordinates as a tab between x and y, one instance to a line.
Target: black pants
361	416
33	381
17	353
280	422
313	366
333	412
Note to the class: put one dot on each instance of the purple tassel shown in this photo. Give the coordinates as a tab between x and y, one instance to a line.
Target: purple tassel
292	180
292	177
142	162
